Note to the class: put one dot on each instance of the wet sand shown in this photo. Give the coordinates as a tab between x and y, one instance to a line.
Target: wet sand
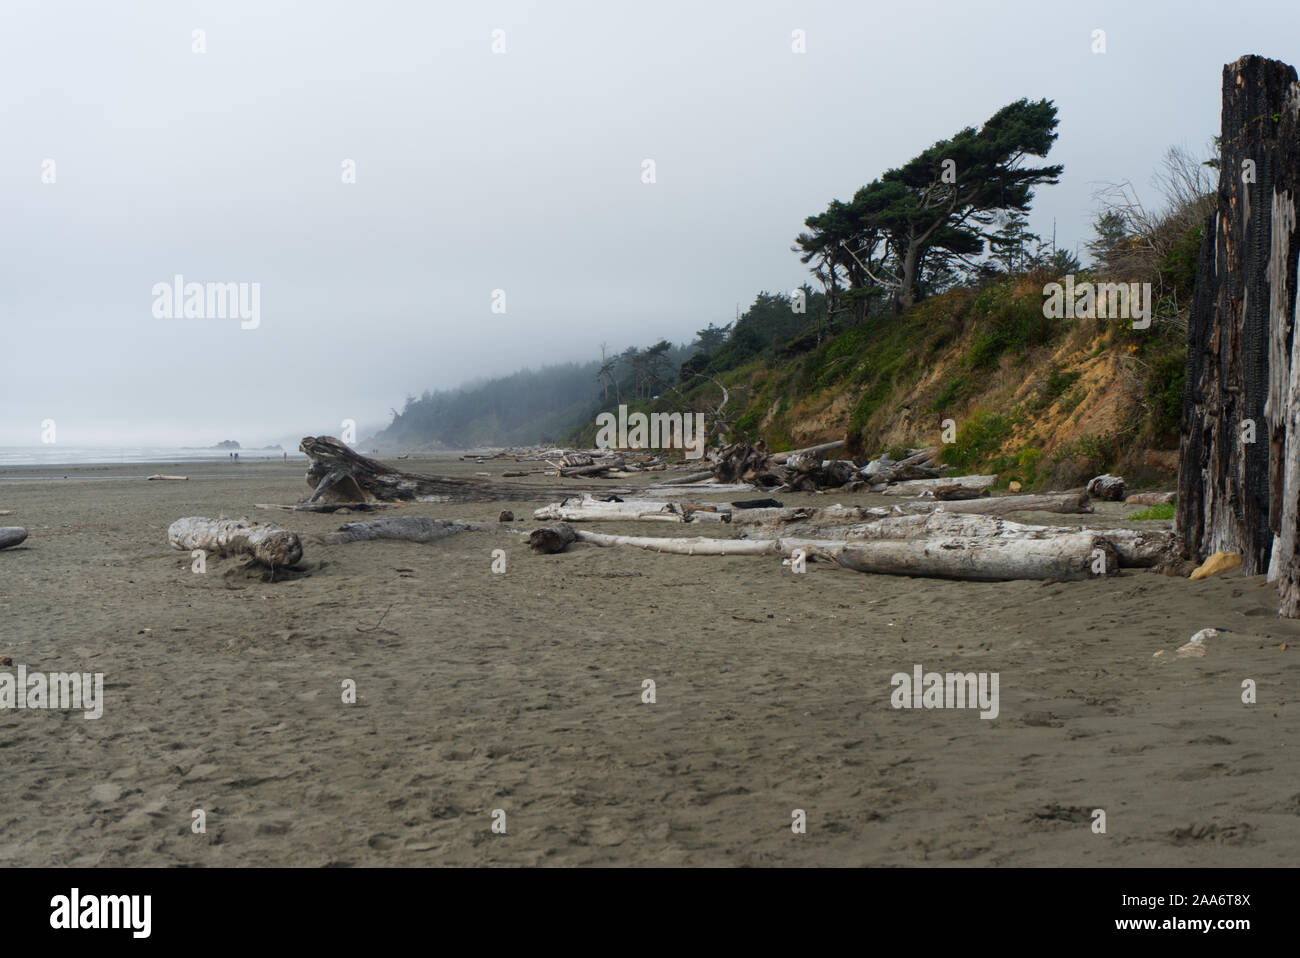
522	692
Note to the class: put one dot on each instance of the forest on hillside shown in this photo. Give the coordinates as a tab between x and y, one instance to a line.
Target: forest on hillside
955	216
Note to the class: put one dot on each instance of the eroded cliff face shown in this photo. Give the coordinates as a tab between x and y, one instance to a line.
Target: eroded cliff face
1042	401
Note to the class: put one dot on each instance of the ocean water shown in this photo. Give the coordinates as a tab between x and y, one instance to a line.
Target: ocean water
59	454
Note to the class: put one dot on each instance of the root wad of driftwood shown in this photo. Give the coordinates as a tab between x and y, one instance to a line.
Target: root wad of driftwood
339	475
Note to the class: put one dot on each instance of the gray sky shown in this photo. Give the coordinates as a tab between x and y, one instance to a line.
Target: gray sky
477	171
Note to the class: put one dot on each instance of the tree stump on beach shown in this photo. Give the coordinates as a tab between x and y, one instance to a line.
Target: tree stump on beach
1240	386
337	474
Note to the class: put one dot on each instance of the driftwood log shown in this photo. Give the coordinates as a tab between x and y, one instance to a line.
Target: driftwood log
918	487
406	529
753	522
551	539
1066	558
919	464
695	545
800	469
1068	503
264	542
956	492
589	509
1108	487
1134	548
337	474
11	536
1076	555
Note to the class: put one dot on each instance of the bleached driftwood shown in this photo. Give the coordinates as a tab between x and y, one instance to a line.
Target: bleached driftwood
751	522
797	469
589	509
11	536
916	487
171	478
781	458
264	542
919	464
689	477
1134	548
1066	558
695	545
1068	503
1108	487
709	488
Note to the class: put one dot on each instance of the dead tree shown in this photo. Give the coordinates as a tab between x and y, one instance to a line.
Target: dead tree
339	475
1240	333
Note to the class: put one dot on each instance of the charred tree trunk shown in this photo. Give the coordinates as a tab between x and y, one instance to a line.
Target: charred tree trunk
1240	329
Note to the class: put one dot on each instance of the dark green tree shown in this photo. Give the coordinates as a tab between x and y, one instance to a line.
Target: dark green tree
936	206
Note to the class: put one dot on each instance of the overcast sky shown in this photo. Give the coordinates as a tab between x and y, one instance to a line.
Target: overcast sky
479	171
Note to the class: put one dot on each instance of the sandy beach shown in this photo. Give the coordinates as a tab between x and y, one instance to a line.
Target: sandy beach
522	692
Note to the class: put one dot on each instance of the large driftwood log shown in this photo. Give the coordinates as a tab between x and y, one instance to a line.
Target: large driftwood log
920	464
916	487
1241	329
781	458
695	545
687	478
588	509
264	542
1134	548
337	474
798	469
1108	487
1067	503
11	536
755	522
1078	555
1071	556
